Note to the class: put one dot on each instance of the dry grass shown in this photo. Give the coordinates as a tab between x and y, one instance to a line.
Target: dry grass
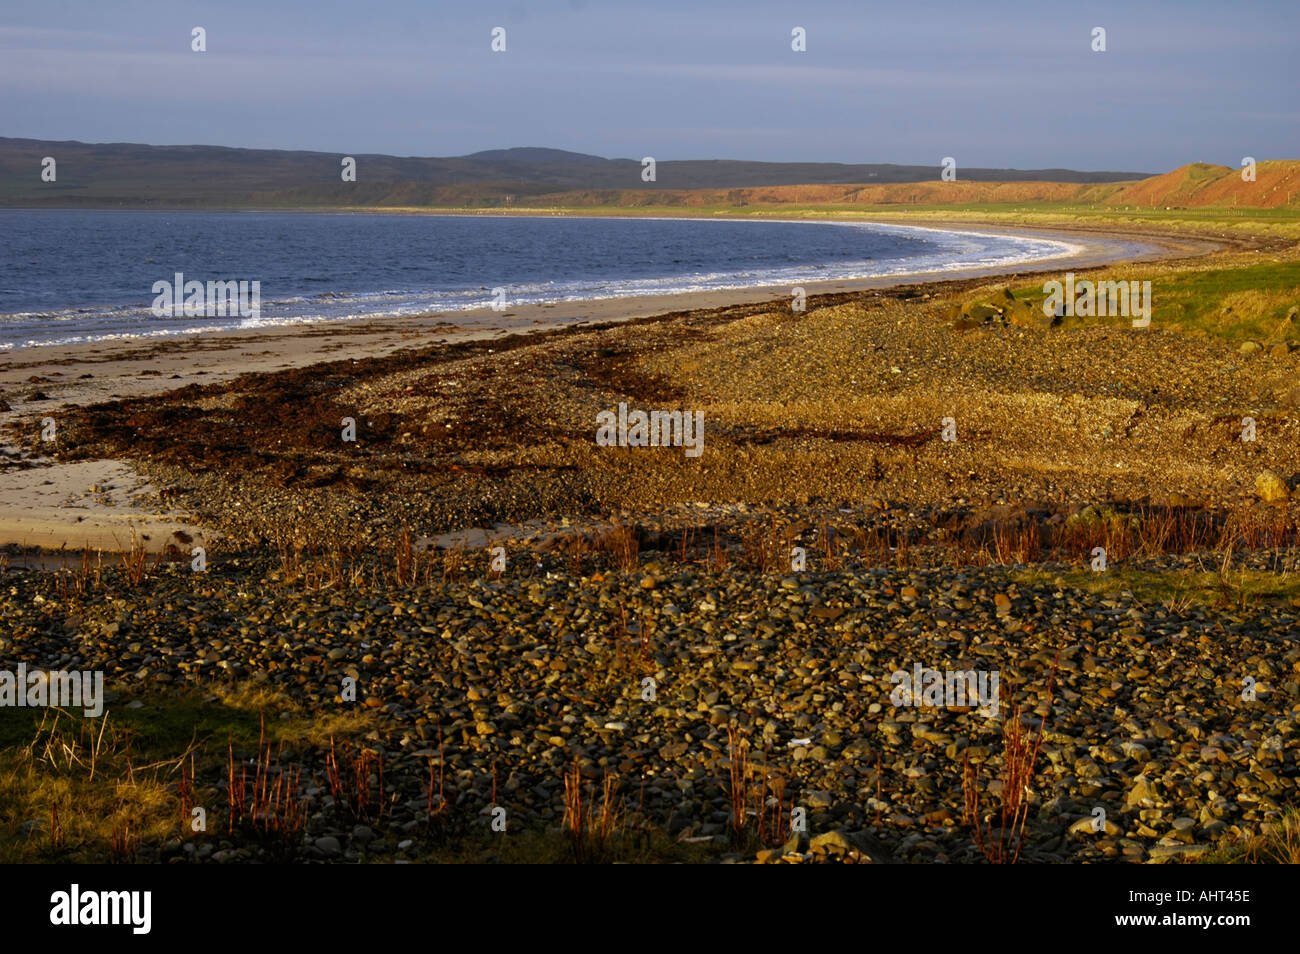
758	815
135	562
405	566
1278	843
622	546
765	547
76	792
1003	844
590	829
717	558
270	803
84	579
355	776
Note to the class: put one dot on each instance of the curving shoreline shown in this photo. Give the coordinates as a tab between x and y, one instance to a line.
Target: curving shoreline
128	367
94	503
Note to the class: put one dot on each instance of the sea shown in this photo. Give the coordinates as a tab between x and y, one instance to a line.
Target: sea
70	276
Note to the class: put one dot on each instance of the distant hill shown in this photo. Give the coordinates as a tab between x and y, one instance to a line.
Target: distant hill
133	175
1276	186
532	154
116	175
1200	185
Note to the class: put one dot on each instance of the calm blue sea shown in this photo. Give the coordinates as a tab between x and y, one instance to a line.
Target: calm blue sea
68	275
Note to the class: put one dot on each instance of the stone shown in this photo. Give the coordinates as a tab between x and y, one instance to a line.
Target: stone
831	842
329	845
979	311
1143	793
1084	826
1163	853
1270	487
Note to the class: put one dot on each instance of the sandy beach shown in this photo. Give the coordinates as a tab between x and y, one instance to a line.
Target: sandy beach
130	367
106	505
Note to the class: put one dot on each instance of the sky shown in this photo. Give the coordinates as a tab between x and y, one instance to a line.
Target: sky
990	84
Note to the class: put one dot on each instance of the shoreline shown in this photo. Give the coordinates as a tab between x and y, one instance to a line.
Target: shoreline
214	355
67	506
1081	255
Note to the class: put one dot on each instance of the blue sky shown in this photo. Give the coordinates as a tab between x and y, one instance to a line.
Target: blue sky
997	84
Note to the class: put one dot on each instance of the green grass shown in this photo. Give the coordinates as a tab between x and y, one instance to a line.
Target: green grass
1241	589
1245	303
166	724
78	789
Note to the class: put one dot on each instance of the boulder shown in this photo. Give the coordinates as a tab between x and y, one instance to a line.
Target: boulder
1271	488
981	311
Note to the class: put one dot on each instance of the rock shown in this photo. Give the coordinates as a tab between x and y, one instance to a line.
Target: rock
797	843
831	842
329	845
818	799
1136	751
1249	347
1279	350
1162	853
673	751
1003	604
1027	318
982	312
1084	826
1142	794
1271	488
